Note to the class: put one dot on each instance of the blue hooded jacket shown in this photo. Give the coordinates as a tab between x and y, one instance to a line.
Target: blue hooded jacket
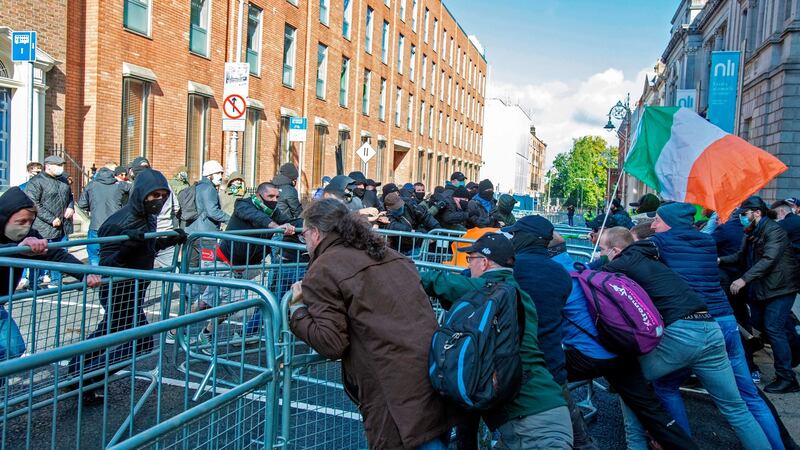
693	256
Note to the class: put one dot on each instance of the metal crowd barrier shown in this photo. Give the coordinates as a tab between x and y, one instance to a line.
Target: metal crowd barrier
116	387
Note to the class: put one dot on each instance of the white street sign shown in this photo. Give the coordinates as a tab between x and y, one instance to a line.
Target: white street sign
234	105
366	152
298	127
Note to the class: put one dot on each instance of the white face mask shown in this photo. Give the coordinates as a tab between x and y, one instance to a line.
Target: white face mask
16	232
216	179
56	171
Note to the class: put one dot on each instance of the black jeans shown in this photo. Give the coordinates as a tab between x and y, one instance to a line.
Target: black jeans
773	317
625	376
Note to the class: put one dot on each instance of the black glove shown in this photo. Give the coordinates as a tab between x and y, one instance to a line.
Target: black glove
463	204
181	236
135	235
440	205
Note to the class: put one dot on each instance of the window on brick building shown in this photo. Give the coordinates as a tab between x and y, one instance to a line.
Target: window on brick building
380	161
365	88
198	32
251	146
344	82
398	104
347	18
254	16
410	119
444	44
197	134
368	31
342	148
431	123
435	35
425	23
324	11
440	126
382	101
414	10
322	70
385	43
136	16
420	161
412	61
403	10
135	120
318	161
422	118
424	71
289	52
401	42
286	148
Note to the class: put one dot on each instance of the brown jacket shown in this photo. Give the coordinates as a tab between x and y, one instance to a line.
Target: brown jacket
375	316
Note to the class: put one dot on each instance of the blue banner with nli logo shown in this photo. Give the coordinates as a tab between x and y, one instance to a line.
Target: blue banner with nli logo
723	87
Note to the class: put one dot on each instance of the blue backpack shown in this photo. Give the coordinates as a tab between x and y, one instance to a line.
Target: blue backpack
475	356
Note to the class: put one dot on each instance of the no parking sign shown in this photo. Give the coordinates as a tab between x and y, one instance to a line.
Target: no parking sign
234	105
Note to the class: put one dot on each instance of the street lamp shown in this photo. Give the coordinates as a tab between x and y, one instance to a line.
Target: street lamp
622	112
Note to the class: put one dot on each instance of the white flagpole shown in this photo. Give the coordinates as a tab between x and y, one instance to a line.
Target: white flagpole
608	209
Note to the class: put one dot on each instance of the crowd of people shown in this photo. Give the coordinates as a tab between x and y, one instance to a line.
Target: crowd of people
358	297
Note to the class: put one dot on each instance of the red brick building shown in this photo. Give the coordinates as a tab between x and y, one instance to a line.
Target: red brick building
145	77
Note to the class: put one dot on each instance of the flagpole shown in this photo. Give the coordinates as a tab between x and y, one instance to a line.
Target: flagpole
608	209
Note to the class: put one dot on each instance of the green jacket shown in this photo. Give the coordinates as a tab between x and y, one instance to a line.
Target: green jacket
540	393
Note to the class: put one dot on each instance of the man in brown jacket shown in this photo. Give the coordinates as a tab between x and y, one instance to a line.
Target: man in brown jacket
362	302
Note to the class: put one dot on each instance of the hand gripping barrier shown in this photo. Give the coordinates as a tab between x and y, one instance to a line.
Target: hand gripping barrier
117	386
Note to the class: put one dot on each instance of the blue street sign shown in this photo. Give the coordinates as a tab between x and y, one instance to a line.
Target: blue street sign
298	123
723	88
23	46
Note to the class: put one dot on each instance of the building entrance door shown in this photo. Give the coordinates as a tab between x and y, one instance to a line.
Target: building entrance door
5	130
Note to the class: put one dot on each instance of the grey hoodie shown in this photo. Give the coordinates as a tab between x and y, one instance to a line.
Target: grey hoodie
102	197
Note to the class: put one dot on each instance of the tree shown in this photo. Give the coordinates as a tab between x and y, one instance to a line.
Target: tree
583	171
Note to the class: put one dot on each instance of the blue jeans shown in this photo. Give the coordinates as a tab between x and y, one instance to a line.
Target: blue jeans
93	249
667	387
55	277
700	347
772	316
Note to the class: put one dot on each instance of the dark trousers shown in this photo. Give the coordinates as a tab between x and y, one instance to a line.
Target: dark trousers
125	312
773	318
625	376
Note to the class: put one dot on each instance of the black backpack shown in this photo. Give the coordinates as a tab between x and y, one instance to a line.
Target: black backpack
187	199
475	356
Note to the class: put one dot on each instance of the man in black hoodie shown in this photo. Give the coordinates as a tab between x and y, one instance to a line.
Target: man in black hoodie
102	197
369	199
17	215
149	193
289	201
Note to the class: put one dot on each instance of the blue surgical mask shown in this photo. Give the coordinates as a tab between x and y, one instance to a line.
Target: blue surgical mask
745	221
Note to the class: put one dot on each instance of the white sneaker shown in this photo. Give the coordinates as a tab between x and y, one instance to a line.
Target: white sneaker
23	284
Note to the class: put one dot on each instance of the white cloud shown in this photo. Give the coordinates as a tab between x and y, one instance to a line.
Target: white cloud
564	111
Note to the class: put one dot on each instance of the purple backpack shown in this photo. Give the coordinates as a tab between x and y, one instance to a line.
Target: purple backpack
627	321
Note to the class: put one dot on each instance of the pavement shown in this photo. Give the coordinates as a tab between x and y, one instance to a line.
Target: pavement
322	416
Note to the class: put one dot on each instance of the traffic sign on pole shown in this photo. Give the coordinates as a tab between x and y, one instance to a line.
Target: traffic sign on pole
366	152
234	107
298	127
23	46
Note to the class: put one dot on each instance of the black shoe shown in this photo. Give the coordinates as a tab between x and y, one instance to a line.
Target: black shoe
781	386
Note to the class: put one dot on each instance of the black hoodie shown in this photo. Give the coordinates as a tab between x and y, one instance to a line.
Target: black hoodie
12	201
102	197
133	254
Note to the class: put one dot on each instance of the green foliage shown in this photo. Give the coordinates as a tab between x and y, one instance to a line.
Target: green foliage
583	171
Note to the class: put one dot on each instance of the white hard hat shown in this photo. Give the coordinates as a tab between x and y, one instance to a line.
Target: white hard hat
211	167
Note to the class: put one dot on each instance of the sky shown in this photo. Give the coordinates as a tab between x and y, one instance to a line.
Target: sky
567	62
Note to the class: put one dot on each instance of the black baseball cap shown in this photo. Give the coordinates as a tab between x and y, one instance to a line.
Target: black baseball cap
457	176
495	247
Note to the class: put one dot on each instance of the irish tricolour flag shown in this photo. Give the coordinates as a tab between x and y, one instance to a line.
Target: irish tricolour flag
688	159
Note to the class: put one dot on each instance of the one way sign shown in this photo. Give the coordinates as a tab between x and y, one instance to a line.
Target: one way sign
366	152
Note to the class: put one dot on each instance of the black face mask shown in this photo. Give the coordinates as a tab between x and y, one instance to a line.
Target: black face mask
153	207
271	205
419	195
359	192
487	195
